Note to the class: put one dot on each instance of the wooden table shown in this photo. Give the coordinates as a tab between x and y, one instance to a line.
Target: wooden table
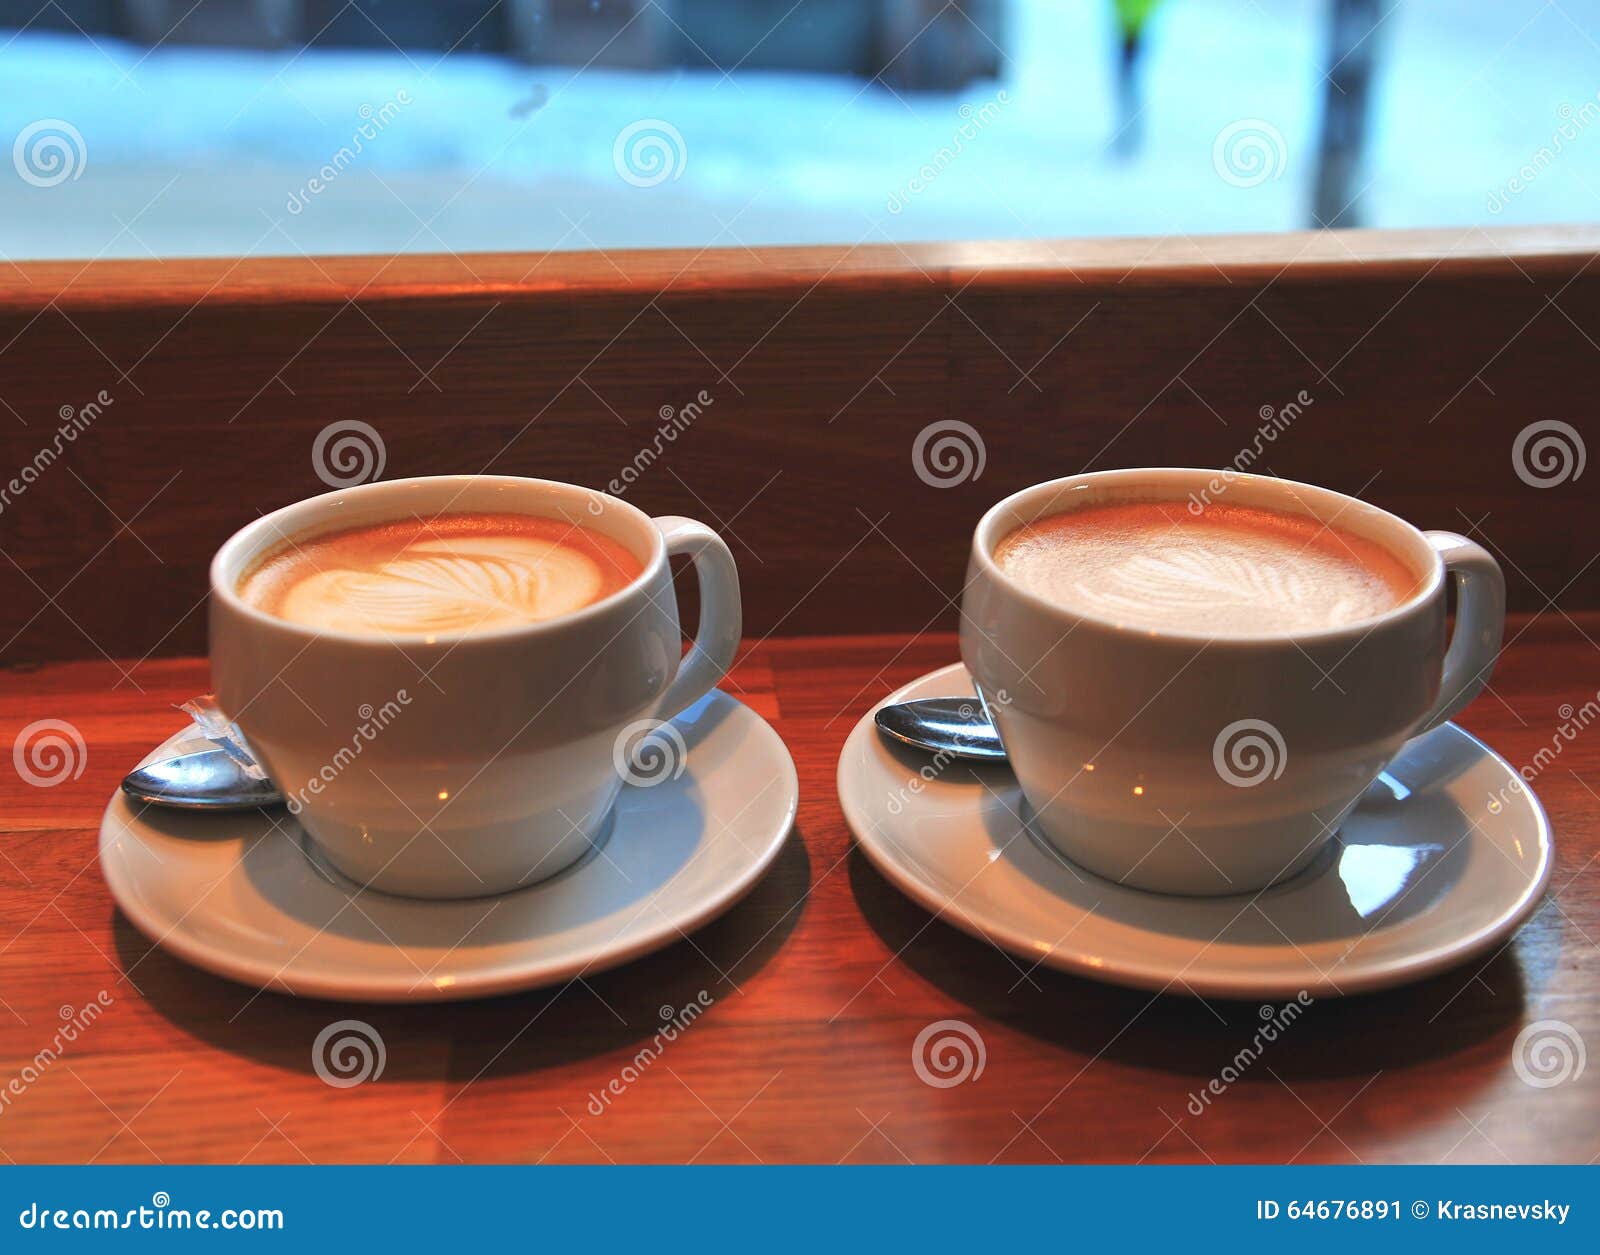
820	982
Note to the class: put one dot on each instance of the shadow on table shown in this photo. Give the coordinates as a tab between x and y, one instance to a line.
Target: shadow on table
540	1028
1357	1035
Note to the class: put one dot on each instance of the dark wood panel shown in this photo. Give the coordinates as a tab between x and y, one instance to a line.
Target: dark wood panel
1423	355
821	980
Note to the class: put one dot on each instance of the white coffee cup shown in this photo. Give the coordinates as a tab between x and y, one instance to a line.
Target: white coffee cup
1171	761
475	763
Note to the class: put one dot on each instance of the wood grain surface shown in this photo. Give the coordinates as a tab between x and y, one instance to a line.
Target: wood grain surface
819	982
1413	361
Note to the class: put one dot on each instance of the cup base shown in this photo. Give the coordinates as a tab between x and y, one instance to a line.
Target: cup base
440	884
1193	865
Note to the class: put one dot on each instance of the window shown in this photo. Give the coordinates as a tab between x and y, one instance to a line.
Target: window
248	127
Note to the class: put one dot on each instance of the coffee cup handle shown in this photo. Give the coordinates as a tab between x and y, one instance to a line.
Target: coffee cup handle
1480	623
721	616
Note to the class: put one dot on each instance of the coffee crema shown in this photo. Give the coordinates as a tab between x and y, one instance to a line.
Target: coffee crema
468	572
1230	571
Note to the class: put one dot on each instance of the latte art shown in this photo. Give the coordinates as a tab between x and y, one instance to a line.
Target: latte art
1195	576
449	586
459	573
1233	571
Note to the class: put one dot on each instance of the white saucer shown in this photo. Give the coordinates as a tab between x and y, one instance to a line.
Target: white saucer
238	895
1422	876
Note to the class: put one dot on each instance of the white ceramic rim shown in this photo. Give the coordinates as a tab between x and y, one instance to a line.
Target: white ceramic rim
1415	548
1160	979
300	519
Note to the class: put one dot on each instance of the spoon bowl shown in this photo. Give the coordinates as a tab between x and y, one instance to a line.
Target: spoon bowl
955	727
206	780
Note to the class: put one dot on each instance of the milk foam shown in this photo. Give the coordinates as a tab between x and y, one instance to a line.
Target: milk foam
457	584
1234	571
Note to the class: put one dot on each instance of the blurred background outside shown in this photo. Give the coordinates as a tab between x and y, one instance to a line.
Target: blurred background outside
140	128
